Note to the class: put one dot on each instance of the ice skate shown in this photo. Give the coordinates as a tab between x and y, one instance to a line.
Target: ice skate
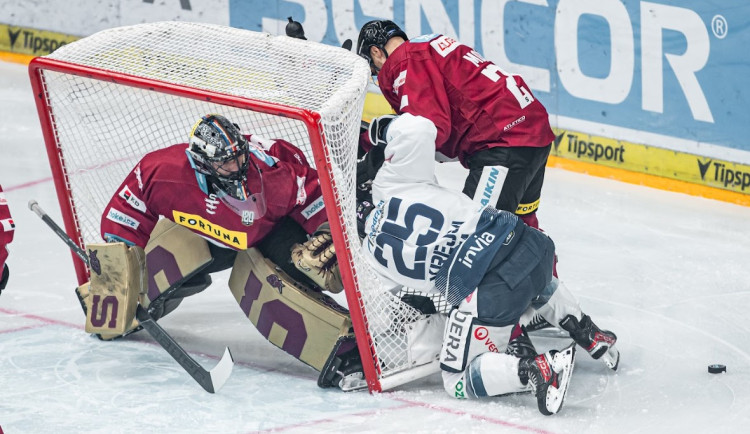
549	376
599	343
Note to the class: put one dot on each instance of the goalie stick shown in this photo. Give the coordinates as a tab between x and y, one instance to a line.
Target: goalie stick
211	380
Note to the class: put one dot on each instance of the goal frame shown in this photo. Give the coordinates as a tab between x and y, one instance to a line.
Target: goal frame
321	157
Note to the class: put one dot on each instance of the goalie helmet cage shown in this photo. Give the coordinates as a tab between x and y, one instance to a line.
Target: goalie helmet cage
106	100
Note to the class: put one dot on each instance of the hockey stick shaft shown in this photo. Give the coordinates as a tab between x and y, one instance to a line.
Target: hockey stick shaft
212	380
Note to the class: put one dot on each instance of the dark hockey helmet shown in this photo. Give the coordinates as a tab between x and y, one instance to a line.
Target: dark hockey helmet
220	152
376	33
294	29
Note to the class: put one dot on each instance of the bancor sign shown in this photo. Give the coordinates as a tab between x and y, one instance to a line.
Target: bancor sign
665	67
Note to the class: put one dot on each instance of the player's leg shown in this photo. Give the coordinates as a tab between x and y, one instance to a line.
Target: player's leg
558	306
502	176
474	366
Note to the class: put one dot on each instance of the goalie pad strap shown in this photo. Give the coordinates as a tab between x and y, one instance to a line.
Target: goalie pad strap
305	323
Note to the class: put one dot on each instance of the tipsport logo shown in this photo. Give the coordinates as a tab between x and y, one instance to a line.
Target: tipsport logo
593	151
719	172
32	42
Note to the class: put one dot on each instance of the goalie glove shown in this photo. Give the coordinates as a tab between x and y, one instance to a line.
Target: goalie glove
316	258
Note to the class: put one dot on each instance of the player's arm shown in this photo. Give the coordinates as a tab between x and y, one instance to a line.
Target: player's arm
117	266
128	217
7	228
316	257
421	92
409	154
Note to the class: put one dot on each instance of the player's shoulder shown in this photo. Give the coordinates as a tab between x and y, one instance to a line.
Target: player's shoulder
167	154
165	161
274	152
433	46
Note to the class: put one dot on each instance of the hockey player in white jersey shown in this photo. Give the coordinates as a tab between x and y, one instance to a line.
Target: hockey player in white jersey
487	263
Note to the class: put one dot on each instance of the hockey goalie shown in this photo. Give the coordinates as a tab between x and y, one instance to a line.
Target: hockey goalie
488	264
225	200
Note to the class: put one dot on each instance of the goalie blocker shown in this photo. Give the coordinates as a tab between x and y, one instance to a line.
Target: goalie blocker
297	318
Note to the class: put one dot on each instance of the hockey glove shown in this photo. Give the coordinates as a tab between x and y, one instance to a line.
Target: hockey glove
363	210
378	128
316	258
4	273
367	168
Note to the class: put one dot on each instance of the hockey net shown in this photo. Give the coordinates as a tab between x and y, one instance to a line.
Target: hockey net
108	99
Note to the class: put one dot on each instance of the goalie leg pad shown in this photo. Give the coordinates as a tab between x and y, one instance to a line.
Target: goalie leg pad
174	255
117	279
301	321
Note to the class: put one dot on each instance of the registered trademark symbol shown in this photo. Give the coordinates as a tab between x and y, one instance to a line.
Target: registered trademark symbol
719	26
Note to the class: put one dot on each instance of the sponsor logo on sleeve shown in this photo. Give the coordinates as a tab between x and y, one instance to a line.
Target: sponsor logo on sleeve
444	45
196	223
121	218
7	225
399	81
3	200
132	199
301	193
137	172
313	208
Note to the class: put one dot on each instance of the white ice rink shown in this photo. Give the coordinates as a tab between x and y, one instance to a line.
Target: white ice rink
668	273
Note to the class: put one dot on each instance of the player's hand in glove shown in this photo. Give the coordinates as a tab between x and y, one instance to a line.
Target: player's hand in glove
317	259
378	128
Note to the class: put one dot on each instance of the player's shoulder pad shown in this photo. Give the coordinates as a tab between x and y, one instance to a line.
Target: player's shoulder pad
259	146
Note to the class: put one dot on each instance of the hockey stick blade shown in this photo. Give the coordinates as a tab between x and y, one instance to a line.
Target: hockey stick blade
347	45
212	380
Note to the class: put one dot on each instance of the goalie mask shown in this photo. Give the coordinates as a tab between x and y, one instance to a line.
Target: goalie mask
219	151
376	33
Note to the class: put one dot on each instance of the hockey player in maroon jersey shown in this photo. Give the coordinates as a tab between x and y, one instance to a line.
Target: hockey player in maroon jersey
486	118
227	200
7	228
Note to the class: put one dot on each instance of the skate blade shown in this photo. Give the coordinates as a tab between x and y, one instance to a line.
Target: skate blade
352	382
563	363
611	358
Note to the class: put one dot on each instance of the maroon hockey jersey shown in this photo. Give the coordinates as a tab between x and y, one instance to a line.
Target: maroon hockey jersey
164	184
7	228
474	104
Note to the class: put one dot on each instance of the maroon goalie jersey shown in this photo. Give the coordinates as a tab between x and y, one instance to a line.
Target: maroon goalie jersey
7	228
474	104
164	184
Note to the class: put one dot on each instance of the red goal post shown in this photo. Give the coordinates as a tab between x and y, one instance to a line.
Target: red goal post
108	99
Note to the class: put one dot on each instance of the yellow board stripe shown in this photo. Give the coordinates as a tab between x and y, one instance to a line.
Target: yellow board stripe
649	180
23	59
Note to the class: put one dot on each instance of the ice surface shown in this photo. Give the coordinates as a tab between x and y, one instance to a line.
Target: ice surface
667	272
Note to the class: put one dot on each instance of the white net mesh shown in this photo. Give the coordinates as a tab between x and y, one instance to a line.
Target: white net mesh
103	127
